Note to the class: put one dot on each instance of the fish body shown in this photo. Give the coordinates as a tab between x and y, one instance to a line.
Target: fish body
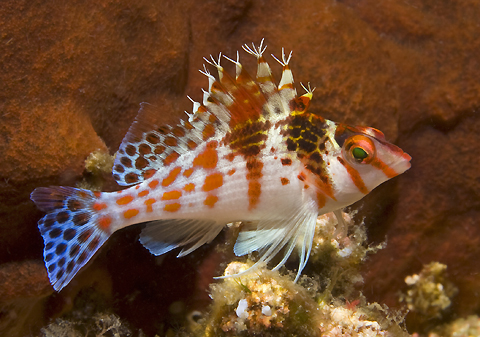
250	152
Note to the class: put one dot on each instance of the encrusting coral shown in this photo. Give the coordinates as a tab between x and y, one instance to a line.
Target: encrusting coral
98	165
337	254
101	325
267	303
462	327
429	292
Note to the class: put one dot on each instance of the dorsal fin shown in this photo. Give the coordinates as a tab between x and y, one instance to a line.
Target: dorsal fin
147	147
238	104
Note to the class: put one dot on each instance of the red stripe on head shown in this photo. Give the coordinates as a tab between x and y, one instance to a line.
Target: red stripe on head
355	176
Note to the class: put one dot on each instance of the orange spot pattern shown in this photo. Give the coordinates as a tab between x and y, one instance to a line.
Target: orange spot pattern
143	193
231	172
285	181
104	223
254	172
125	200
212	182
254	191
149	203
321	200
172	207
171	195
208	159
210	201
189	187
98	206
230	157
130	213
188	172
171	176
153	184
170	158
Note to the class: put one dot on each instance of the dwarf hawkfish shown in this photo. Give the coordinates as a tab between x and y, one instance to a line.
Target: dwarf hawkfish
250	152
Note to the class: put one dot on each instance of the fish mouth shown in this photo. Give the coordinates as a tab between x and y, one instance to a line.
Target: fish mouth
403	163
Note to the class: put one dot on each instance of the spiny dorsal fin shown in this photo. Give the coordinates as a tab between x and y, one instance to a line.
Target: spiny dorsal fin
237	105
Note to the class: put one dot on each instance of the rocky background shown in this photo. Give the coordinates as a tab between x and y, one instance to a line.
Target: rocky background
73	74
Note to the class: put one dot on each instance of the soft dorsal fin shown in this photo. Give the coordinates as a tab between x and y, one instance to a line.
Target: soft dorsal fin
147	147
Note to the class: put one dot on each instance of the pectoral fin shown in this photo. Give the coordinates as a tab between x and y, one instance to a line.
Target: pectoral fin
272	235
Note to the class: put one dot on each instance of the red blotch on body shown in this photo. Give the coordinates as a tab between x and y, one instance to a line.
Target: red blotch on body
130	213
125	200
231	172
149	203
188	172
172	207
189	187
143	193
284	181
153	184
104	223
171	176
208	159
171	195
170	158
230	157
212	182
321	200
210	201
98	206
254	191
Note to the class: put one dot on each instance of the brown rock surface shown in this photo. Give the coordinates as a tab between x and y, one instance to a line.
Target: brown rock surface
73	74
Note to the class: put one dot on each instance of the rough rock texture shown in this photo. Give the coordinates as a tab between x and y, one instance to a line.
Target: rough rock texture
72	75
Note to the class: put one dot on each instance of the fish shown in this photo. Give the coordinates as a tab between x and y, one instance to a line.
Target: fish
250	151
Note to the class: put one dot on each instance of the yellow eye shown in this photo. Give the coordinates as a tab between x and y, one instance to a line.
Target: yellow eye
359	149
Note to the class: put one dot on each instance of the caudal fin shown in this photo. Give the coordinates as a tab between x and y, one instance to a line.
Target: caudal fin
70	230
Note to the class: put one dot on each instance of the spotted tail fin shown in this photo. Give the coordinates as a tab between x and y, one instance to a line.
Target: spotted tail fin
72	230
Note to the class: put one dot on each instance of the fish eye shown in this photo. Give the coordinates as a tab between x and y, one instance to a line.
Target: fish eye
359	154
359	149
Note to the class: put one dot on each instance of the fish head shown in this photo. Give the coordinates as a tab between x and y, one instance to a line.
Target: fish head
365	159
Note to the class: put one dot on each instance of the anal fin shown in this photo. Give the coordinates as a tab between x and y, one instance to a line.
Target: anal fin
160	237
